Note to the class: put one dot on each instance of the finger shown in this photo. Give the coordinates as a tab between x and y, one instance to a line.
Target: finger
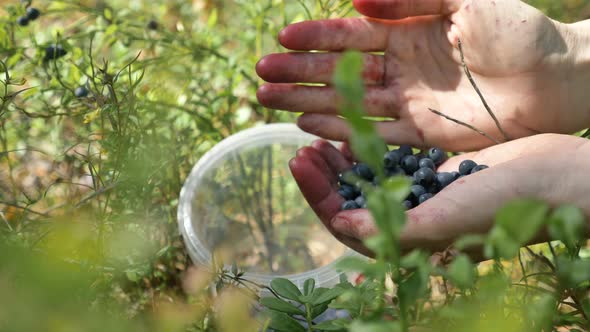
498	154
332	156
379	101
314	68
320	163
332	127
467	206
336	35
399	9
321	197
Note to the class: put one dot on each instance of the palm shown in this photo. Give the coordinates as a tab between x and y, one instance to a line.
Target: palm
420	68
466	206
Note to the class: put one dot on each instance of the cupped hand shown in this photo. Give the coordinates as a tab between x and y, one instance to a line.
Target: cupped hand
520	59
549	167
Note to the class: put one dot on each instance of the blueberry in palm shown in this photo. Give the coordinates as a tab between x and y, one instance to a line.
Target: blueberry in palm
409	164
349	205
466	166
478	168
424	176
437	155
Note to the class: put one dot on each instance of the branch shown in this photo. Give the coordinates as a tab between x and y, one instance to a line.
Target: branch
485	104
465	125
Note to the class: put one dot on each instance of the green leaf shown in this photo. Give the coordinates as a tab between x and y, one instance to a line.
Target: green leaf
332	325
308	286
468	241
284	323
567	224
318	310
500	245
280	305
365	143
540	312
328	296
522	219
353	263
462	272
360	326
572	273
285	288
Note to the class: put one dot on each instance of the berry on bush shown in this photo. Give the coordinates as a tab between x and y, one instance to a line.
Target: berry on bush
22	21
81	92
426	181
54	51
33	13
152	25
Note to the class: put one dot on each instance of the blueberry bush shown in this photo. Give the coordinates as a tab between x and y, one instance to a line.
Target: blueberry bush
104	108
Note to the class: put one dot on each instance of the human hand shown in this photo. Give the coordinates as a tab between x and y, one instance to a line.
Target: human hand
528	67
548	167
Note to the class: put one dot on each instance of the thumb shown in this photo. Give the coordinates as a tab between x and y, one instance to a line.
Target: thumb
399	9
467	206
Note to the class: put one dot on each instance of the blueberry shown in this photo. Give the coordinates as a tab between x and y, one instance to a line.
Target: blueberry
389	172
54	52
417	191
361	201
392	158
22	21
424	198
433	188
363	171
349	205
81	92
437	155
456	175
426	162
409	164
424	176
152	25
342	178
33	13
478	168
348	192
466	166
408	204
444	179
406	150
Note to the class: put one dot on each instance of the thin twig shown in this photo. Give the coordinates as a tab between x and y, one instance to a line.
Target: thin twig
466	125
483	100
6	221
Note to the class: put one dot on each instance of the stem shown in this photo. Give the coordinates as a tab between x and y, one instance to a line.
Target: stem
479	131
308	317
483	100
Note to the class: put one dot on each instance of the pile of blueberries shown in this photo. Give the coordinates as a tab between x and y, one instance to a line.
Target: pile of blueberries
420	168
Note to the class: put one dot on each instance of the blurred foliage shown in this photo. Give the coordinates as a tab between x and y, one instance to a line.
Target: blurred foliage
89	185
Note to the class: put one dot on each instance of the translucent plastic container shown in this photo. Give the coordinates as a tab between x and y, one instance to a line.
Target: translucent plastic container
241	199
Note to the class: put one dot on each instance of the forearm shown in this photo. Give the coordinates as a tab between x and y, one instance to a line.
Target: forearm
576	37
